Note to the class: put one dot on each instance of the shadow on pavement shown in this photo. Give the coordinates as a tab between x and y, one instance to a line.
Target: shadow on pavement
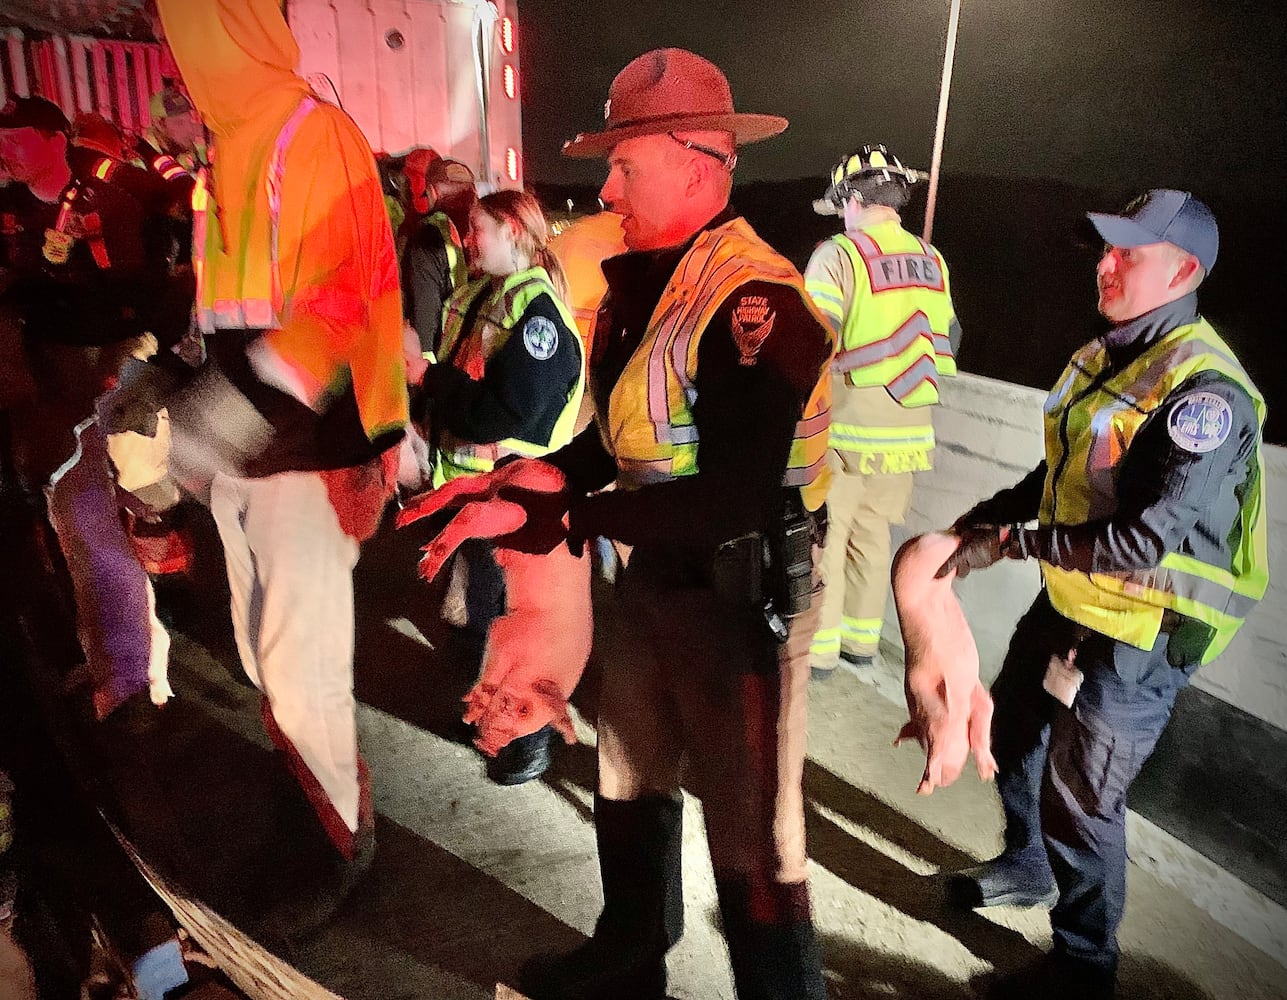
857	972
875	873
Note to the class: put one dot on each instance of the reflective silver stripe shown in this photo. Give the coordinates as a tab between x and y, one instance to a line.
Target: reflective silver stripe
896	343
1142	388
867	247
1189	586
237	314
276	173
942	345
803	477
815	424
658	404
922	370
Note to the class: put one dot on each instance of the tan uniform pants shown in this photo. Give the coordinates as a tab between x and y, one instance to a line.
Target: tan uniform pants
855	562
695	690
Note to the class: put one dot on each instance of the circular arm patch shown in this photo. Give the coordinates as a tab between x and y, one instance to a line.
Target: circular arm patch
1200	422
540	337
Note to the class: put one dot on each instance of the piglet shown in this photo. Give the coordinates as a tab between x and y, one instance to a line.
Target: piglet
951	711
537	650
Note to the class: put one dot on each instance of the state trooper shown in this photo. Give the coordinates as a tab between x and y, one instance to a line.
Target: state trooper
1151	539
712	400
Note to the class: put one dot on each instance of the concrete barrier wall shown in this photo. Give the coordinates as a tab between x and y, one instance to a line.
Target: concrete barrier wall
989	436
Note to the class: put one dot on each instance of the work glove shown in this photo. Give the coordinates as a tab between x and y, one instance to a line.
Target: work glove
978	548
977	516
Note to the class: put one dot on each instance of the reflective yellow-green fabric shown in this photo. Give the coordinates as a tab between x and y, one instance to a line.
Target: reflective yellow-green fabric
1098	417
456	264
895	332
649	424
503	307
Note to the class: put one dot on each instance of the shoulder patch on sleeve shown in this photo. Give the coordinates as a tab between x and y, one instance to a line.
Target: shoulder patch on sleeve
1200	421
541	337
752	322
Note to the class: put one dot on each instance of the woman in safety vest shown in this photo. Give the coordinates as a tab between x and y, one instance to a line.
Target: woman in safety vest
509	381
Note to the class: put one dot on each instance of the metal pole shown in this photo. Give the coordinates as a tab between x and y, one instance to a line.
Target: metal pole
949	57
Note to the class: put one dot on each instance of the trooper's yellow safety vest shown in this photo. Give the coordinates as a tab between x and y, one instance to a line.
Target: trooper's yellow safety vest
494	321
1091	417
649	425
894	335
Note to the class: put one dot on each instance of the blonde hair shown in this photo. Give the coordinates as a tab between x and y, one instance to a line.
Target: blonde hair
523	214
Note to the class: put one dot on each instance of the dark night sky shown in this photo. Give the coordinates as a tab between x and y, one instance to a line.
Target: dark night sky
1134	93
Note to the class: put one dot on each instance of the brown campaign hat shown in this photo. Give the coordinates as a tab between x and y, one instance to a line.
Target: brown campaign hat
671	90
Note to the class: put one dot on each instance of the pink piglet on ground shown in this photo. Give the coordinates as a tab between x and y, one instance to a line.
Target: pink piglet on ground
950	710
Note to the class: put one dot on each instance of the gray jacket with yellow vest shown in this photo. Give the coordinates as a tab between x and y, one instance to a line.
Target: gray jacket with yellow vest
1151	503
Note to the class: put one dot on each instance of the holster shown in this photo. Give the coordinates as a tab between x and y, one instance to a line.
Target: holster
790	546
737	570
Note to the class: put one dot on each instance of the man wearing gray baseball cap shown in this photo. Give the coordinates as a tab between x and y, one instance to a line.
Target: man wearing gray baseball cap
1151	539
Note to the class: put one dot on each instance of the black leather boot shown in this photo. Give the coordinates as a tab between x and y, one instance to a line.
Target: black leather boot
772	946
522	760
643	909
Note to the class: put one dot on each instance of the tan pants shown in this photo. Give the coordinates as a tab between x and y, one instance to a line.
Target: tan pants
855	562
697	691
290	571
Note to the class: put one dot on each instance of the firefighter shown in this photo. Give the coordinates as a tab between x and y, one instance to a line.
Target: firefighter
134	418
510	382
885	293
176	131
711	399
1151	539
83	277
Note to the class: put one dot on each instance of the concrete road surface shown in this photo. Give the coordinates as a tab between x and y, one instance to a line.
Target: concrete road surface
471	878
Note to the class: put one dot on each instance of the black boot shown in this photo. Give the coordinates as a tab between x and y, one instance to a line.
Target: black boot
1006	880
523	759
643	909
773	950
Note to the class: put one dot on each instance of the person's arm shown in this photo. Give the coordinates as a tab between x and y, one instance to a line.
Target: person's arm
954	324
749	400
585	462
525	384
1013	505
829	280
339	272
1166	482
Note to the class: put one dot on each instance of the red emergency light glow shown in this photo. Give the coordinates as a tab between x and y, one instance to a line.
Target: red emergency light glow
511	82
507	34
511	163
